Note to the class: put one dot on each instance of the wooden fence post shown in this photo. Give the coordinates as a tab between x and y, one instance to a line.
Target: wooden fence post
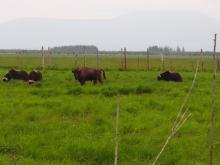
84	56
76	60
138	61
193	68
162	62
20	60
202	62
212	123
125	59
43	62
148	60
97	58
50	56
121	59
116	134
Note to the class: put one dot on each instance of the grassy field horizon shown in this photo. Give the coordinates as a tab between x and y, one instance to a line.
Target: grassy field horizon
57	121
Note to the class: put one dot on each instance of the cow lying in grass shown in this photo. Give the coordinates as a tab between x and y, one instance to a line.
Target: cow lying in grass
170	76
89	74
16	74
34	75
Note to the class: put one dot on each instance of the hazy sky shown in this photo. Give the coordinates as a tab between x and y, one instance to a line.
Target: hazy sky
107	9
99	9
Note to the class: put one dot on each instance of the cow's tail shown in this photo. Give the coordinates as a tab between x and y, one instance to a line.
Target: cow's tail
103	74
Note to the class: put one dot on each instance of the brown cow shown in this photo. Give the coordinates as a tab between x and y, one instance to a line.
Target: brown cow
16	74
89	74
170	76
34	75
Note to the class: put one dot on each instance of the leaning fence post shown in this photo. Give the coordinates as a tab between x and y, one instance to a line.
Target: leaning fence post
193	68
43	62
212	123
116	134
181	117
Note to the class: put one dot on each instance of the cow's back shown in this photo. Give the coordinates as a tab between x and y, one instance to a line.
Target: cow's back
88	73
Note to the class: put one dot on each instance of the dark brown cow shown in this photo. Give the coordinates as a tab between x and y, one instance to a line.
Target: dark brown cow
89	74
170	76
16	74
34	75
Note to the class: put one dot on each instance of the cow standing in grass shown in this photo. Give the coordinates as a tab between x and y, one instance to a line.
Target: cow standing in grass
16	74
89	74
170	76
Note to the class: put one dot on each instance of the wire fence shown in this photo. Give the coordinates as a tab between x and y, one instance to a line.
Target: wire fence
146	62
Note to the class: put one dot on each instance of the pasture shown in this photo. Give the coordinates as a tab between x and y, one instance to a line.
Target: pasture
59	122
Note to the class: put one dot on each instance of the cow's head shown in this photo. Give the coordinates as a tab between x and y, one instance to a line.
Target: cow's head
11	73
76	73
163	76
159	77
31	81
5	79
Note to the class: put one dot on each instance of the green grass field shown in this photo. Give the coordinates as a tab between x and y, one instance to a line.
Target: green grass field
59	122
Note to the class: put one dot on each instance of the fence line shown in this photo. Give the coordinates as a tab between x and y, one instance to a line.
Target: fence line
134	62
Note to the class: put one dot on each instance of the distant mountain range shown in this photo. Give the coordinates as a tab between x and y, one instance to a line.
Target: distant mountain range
136	31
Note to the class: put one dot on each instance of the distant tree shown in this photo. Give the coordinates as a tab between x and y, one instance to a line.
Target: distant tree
183	49
155	48
158	50
75	49
167	49
178	50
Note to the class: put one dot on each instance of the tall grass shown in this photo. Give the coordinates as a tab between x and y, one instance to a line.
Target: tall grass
60	122
109	62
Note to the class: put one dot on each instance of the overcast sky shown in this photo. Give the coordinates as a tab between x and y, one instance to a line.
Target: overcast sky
107	9
99	9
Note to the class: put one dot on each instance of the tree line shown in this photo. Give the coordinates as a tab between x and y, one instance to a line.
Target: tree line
91	49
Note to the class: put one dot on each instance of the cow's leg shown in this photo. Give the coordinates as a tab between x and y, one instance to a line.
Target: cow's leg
94	81
82	82
100	79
